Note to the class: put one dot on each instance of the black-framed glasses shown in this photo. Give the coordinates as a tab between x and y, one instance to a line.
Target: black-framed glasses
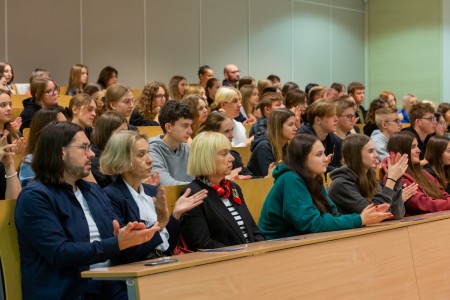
430	119
85	147
350	117
52	91
161	96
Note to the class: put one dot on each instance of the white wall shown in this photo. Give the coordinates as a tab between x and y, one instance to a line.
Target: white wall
303	41
446	50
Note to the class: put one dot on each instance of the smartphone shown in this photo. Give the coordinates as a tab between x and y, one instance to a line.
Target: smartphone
161	261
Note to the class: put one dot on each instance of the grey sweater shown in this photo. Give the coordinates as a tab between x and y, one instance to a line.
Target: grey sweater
171	165
345	193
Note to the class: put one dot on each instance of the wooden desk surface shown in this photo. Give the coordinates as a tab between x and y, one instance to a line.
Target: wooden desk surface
408	259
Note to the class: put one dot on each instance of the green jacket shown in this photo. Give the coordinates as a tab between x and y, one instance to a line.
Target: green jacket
289	209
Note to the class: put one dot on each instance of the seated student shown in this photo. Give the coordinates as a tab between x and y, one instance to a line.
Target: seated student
322	122
408	101
120	99
127	155
388	123
109	123
200	108
296	102
82	112
269	148
298	202
223	218
94	90
250	98
212	85
370	117
441	125
354	185
430	195
345	110
169	151
153	96
78	79
65	224
41	119
44	94
268	103
218	122
356	90
9	183
438	157
423	125
228	101
107	77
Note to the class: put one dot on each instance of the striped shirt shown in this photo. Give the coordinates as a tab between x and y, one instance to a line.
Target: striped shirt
237	218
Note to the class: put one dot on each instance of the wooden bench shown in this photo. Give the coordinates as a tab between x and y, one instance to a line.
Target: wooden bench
151	131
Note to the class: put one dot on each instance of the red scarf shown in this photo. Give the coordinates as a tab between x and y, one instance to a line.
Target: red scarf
224	190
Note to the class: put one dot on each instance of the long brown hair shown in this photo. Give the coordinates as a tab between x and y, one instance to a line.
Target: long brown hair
296	156
401	142
436	146
352	154
274	129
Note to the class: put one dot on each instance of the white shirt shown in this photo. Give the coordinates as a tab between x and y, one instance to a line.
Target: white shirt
240	136
147	213
94	234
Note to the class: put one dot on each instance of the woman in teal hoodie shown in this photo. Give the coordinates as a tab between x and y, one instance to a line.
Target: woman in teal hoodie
298	203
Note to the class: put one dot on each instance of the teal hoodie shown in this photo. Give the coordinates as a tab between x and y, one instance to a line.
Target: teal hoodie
289	209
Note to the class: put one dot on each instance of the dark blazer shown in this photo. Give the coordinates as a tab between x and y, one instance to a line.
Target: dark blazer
211	225
127	210
54	240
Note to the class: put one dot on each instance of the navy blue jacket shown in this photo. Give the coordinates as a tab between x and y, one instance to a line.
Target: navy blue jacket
262	156
54	239
127	211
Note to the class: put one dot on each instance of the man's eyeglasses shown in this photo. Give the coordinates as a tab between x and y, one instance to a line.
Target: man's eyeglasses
350	117
85	147
53	91
396	121
430	119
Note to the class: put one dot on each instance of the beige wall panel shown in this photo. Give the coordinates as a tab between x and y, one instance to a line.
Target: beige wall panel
43	34
113	34
2	31
173	39
347	46
311	38
270	39
224	35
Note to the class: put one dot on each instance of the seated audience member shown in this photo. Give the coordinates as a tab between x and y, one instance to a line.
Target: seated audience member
44	94
218	122
444	109
296	102
441	125
4	84
275	80
388	123
82	111
223	218
95	91
250	99
390	98
8	71
200	108
430	195
212	85
408	101
65	225
228	100
329	94
127	155
78	79
356	91
170	151
41	119
246	80
339	87
107	77
204	74
177	85
153	96
423	125
268	103
231	76
354	185
345	111
370	117
290	87
195	89
298	202
438	157
322	122
120	99
309	86
263	84
314	93
109	123
269	148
